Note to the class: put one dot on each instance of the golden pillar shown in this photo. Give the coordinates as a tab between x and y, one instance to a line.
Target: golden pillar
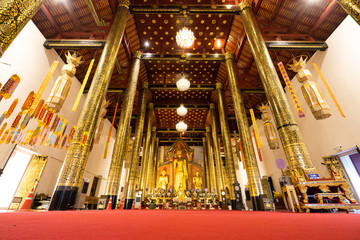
210	157
75	161
291	139
150	160
216	147
14	15
119	149
252	169
351	7
206	164
155	157
146	149
229	158
134	164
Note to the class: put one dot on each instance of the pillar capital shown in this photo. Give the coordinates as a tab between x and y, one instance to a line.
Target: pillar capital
208	129
137	54
219	85
212	105
153	129
229	55
204	139
145	85
123	3
244	4
151	105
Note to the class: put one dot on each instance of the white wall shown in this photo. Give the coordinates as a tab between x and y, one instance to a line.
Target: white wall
27	58
340	66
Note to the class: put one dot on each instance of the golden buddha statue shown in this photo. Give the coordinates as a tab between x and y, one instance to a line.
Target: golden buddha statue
181	192
163	180
197	181
180	170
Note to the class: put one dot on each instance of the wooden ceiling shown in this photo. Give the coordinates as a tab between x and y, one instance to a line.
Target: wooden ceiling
283	20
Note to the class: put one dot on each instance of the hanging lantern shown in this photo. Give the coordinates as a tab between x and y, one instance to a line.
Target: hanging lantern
183	84
181	126
269	129
185	38
62	85
312	94
181	111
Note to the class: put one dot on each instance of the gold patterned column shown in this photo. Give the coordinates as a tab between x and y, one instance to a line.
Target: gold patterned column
155	157
213	188
206	164
252	169
216	146
229	158
351	7
118	154
291	139
76	158
134	164
150	160
14	15
146	149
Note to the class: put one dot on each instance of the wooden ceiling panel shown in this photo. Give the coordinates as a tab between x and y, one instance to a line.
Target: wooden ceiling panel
195	118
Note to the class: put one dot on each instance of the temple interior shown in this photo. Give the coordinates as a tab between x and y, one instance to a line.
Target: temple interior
219	105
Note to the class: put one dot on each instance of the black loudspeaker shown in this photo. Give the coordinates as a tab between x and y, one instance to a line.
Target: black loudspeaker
238	203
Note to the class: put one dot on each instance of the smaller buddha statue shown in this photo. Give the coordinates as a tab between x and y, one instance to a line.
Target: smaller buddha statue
197	181
163	180
181	193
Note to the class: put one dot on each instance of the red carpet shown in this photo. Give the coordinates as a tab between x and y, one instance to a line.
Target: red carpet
181	224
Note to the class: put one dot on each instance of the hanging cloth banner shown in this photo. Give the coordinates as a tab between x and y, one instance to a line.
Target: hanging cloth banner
241	154
108	139
8	89
257	136
257	148
76	103
290	88
42	87
329	89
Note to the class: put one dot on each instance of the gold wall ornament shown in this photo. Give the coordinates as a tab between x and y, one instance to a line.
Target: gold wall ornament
351	7
206	164
269	129
76	158
213	188
289	133
119	150
62	85
150	166
14	15
134	163
312	94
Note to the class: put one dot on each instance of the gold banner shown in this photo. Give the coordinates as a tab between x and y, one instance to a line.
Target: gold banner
256	131
290	88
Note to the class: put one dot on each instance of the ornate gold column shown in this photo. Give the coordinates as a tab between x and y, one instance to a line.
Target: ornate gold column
118	154
150	166
252	169
210	158
146	149
206	164
351	7
14	15
216	147
291	139
75	162
134	164
155	157
229	158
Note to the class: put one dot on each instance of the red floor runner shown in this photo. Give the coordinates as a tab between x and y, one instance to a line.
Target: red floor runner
181	224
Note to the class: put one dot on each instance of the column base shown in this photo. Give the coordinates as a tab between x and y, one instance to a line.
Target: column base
63	198
233	204
128	203
256	203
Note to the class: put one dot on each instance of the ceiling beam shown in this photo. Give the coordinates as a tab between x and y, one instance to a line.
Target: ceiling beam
51	19
173	130
171	9
180	57
173	87
321	19
74	44
188	106
296	45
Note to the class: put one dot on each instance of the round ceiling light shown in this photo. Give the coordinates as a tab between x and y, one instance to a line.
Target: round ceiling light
185	38
181	111
181	126
183	84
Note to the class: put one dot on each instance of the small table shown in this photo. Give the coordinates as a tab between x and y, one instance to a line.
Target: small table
290	197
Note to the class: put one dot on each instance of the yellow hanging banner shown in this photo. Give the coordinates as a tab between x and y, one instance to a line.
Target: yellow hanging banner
43	86
290	88
329	90
76	103
257	136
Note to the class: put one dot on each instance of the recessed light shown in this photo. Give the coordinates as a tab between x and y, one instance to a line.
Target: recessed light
147	44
